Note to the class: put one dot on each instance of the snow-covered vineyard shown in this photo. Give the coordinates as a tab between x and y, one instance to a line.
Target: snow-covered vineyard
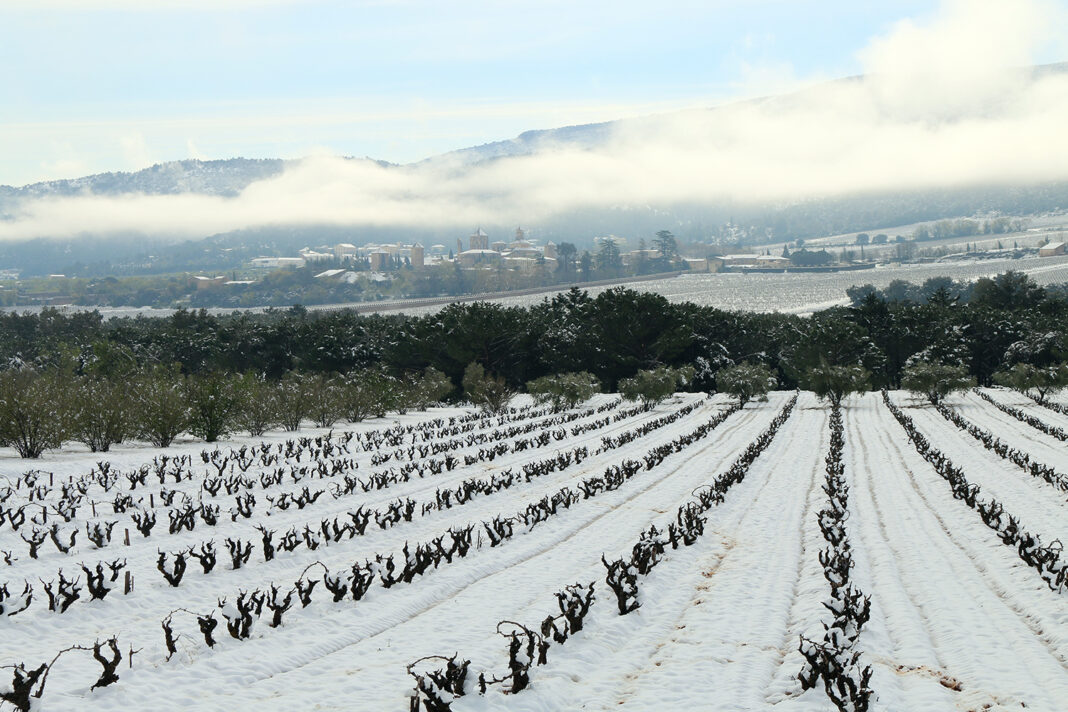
692	556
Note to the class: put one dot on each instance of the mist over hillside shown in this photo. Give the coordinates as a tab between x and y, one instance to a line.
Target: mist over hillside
854	154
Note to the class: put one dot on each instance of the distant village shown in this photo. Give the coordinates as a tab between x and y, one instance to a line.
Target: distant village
517	254
479	264
521	254
525	255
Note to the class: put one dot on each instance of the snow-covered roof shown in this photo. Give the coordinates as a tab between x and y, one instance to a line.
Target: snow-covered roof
329	273
277	260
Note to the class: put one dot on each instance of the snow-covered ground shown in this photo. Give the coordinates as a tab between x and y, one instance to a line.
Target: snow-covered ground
958	620
805	292
792	293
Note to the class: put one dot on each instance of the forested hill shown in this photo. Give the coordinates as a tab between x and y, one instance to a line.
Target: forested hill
223	177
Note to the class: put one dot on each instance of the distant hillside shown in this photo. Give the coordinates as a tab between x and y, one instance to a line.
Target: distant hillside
228	177
707	221
529	142
224	178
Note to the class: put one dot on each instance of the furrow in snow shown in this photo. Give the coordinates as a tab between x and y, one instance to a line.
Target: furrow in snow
324	637
1042	510
963	610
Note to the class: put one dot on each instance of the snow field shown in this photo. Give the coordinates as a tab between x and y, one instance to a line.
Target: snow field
959	621
796	292
719	620
184	592
1041	509
553	555
199	589
1041	446
951	605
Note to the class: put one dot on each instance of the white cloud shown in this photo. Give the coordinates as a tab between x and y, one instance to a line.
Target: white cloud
135	151
64	166
962	58
926	116
193	151
144	5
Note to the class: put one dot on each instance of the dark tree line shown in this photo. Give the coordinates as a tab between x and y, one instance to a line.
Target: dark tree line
1002	322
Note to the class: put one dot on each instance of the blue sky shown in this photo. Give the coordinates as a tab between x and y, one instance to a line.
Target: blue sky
105	85
97	85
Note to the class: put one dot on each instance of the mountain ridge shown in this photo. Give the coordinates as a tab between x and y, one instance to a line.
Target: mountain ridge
226	177
720	221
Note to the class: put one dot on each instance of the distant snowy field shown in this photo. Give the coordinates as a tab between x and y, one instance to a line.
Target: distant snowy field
806	292
958	620
795	293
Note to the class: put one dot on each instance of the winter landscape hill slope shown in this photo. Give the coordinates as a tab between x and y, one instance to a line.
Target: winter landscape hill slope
227	177
693	172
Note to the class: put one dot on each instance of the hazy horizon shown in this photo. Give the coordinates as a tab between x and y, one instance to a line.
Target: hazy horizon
940	105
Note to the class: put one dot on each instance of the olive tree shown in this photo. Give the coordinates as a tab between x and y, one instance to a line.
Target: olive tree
162	408
834	383
390	392
935	381
33	413
292	400
257	406
1043	380
746	382
491	393
564	390
101	413
213	402
654	385
370	393
326	399
430	388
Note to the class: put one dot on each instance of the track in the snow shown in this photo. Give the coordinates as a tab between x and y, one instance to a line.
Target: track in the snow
958	620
